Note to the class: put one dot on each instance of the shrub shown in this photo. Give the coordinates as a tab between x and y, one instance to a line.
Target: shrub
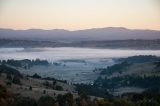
25	101
30	88
59	88
46	101
36	76
16	80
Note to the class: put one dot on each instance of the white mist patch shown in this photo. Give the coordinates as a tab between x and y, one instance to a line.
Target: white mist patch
75	65
62	53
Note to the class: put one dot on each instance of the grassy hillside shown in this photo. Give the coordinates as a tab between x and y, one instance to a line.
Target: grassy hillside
123	84
131	75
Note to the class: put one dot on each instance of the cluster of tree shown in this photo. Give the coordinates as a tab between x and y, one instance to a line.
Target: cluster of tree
140	59
9	70
147	98
105	87
104	84
53	85
12	74
13	79
92	90
157	64
129	80
24	63
6	98
53	79
36	76
115	68
48	81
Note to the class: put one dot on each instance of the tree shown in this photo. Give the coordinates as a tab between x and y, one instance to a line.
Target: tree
59	88
95	102
46	101
9	77
36	76
46	83
44	91
25	101
16	80
30	88
69	99
84	102
9	83
6	99
61	100
54	83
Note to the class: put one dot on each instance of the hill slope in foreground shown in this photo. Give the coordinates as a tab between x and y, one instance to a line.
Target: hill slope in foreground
141	72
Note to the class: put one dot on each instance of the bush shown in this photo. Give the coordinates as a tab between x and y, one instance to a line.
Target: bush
36	76
25	101
46	83
59	88
61	100
9	83
9	77
16	80
10	70
44	91
46	101
30	88
69	99
6	99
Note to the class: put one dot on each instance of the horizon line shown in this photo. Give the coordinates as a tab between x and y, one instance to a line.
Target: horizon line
48	29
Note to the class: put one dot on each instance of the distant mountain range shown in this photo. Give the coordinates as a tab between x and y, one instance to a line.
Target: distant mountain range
109	33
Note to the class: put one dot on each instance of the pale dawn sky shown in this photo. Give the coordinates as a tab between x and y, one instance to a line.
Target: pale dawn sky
79	14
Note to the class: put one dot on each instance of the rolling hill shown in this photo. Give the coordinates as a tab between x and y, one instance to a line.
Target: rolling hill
98	34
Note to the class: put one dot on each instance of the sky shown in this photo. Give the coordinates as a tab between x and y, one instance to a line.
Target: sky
79	14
